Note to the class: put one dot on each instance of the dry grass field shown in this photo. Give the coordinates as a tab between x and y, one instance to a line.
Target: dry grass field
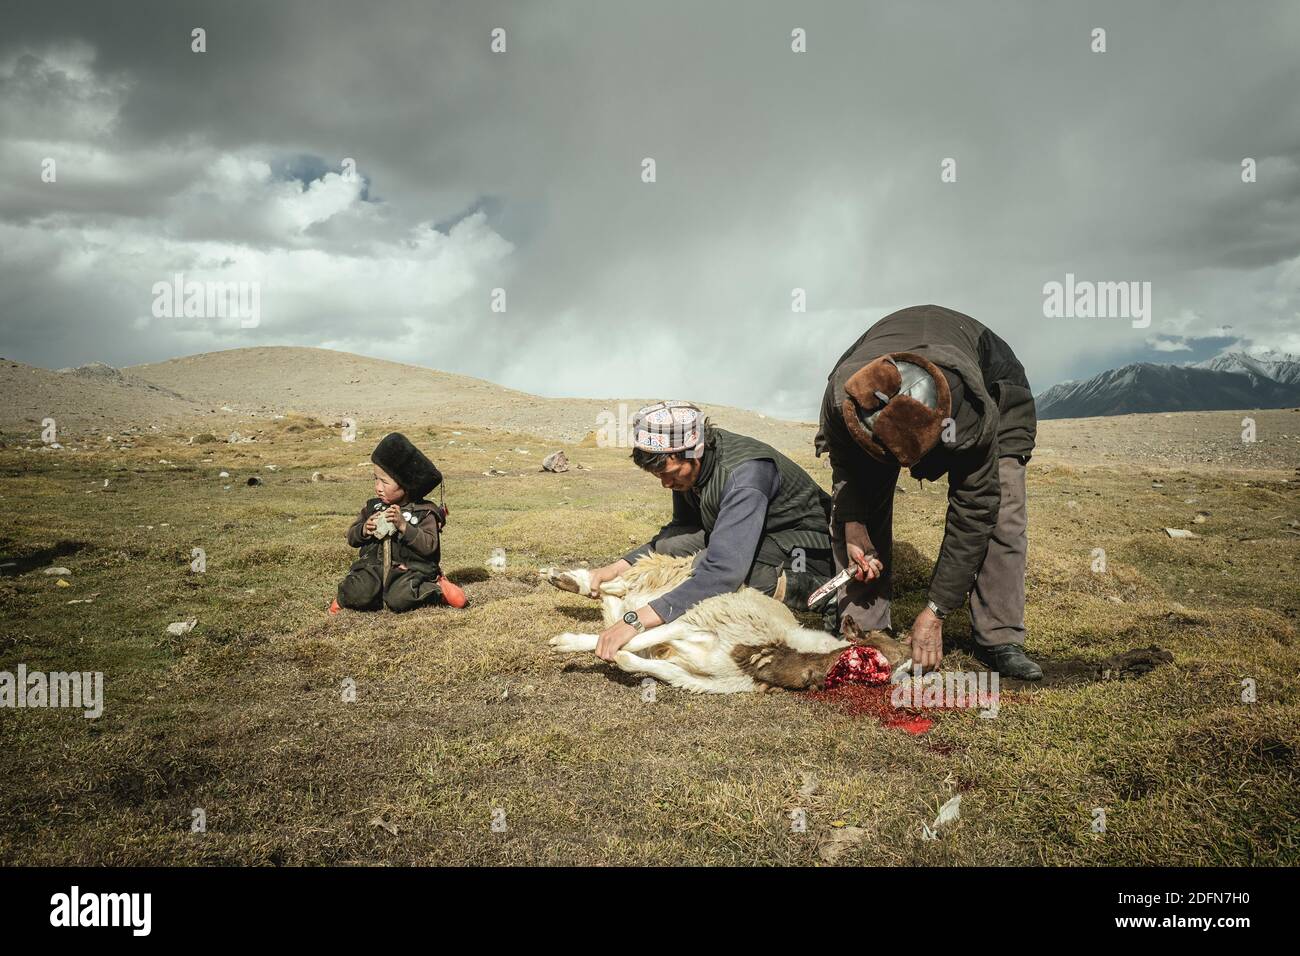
464	718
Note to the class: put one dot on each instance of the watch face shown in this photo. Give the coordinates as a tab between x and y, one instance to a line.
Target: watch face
630	617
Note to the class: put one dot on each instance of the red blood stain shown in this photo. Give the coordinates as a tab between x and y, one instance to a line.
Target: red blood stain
858	700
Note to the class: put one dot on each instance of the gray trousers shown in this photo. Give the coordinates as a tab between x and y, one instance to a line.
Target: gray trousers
997	603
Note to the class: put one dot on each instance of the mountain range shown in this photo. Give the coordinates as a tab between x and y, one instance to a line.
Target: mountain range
1229	381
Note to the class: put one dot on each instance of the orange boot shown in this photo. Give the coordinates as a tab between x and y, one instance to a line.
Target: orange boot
452	593
334	607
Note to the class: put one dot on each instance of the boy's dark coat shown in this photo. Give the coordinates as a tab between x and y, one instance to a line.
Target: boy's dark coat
418	547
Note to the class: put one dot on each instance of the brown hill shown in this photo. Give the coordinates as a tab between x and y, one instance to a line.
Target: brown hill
93	396
335	385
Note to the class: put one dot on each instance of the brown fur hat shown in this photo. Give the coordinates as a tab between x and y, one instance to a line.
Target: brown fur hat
905	428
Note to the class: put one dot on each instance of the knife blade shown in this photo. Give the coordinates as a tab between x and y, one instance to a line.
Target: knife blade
830	587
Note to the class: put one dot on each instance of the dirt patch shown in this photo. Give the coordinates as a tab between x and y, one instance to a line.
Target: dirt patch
467	576
498	587
1070	673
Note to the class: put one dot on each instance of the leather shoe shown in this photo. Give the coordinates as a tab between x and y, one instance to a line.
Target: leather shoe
1010	660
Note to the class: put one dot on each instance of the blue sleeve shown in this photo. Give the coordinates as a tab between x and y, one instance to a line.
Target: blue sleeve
733	543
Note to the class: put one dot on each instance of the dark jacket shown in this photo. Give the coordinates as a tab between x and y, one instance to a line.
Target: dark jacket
798	515
750	505
993	417
418	547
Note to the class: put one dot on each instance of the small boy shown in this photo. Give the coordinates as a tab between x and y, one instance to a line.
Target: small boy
397	532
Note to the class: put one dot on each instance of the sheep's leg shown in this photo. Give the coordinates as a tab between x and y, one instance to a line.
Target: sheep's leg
574	643
677	676
611	608
577	580
615	587
782	666
813	642
611	594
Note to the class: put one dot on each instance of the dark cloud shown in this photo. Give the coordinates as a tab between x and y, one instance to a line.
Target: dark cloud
521	171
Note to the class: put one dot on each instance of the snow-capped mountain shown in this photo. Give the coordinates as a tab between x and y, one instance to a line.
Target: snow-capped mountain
1279	366
1145	387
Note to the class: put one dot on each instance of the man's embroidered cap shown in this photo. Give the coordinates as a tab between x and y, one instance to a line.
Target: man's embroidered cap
667	427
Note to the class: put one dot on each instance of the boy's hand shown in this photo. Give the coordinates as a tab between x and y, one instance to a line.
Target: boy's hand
395	517
370	526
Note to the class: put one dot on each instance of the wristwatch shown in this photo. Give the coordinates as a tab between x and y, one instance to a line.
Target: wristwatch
631	618
937	611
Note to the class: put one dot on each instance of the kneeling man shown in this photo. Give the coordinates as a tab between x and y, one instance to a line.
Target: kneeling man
750	515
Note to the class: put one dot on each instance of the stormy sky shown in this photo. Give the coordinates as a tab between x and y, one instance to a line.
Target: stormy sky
522	170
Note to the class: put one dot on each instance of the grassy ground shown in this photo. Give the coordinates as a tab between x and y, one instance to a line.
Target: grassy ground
463	717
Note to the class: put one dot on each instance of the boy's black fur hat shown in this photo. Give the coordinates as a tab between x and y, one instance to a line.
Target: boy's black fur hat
406	465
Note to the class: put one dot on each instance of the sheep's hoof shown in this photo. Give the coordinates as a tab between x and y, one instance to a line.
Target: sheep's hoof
561	579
